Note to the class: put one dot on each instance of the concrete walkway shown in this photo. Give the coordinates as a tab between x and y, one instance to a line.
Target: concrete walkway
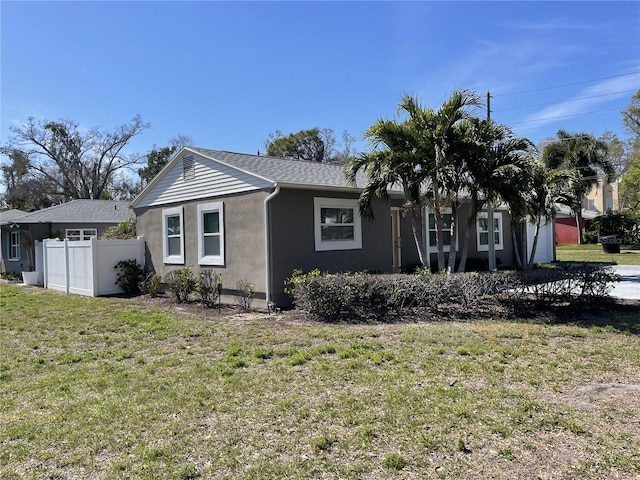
629	286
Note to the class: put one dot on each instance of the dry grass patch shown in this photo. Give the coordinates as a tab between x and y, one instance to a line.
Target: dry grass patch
118	388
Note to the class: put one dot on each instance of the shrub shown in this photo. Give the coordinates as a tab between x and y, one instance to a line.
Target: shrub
208	287
151	284
245	292
181	283
129	275
123	231
363	297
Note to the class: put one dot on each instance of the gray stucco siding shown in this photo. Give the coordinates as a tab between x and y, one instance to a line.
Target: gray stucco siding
293	239
243	238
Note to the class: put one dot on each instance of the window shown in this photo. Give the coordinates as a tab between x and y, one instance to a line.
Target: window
446	230
482	231
592	205
172	238
14	246
81	234
337	224
609	203
211	234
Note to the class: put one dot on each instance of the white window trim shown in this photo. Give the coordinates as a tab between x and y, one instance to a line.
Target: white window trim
12	244
166	258
210	208
328	245
434	248
498	246
82	233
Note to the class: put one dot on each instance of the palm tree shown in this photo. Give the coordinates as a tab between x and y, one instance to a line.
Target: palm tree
441	142
498	167
393	159
587	157
541	200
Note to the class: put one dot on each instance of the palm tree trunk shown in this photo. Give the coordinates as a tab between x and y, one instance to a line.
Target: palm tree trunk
464	252
516	247
454	233
579	223
416	229
534	246
437	212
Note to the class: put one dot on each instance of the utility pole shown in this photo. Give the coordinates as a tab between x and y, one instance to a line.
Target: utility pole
492	236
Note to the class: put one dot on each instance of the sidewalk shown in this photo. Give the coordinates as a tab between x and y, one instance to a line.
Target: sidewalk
629	285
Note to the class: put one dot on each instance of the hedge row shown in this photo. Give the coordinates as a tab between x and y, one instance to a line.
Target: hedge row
363	296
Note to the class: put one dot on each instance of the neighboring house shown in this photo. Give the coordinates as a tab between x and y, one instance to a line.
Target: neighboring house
567	226
256	219
75	220
602	197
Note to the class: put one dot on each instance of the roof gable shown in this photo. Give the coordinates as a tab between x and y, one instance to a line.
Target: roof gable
219	172
206	177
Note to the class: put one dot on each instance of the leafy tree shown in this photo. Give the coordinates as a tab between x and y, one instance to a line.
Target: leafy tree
587	156
631	115
25	191
630	185
77	164
157	158
630	179
313	145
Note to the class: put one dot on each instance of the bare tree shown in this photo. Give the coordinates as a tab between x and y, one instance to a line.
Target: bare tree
78	165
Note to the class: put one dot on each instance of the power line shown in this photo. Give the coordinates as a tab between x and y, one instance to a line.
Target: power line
565	116
566	84
565	101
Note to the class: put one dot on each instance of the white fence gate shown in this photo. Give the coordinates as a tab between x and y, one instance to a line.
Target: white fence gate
86	267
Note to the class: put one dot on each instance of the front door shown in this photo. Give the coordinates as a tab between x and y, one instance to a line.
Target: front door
395	240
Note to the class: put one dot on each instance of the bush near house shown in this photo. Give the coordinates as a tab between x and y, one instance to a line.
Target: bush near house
363	296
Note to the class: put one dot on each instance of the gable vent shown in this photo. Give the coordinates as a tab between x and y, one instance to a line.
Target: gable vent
188	168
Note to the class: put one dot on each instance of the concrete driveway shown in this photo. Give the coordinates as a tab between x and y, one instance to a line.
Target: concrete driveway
629	286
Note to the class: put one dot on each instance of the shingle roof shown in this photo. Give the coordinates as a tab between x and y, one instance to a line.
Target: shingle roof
79	211
9	215
285	170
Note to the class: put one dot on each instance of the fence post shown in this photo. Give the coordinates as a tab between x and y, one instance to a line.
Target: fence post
66	265
94	270
45	269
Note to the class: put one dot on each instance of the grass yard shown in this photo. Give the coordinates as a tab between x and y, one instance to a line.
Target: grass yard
116	388
593	253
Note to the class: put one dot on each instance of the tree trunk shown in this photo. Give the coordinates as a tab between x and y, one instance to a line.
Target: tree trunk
516	247
437	212
454	233
534	246
416	228
464	252
579	223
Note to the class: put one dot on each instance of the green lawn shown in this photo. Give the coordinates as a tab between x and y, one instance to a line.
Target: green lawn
110	388
629	255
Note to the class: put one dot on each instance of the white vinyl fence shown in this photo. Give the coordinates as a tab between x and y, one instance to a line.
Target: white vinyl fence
86	267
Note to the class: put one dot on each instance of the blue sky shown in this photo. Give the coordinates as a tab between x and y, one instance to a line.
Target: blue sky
228	73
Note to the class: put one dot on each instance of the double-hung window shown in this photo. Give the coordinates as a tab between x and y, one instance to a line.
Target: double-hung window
173	235
482	231
14	246
211	234
337	224
446	230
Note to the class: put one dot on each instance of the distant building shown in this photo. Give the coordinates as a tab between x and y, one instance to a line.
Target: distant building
602	197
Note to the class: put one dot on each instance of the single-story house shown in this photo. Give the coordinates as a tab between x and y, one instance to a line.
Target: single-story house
254	218
74	220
